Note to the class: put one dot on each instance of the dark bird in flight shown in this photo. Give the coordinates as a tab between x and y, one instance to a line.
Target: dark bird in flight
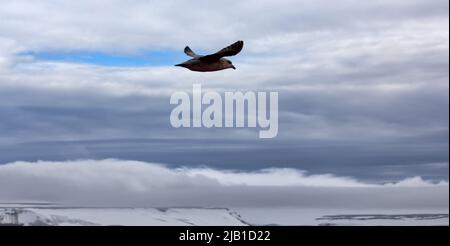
213	62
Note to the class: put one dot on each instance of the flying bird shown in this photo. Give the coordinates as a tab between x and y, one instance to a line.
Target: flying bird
213	62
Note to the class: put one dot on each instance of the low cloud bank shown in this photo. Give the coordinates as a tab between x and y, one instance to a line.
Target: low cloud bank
131	183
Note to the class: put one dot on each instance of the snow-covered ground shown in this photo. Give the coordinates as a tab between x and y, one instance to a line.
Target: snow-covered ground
344	217
57	216
64	216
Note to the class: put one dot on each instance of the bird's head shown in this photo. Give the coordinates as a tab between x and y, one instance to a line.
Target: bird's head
228	64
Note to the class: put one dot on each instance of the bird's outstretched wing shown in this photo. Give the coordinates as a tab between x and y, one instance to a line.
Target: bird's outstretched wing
190	53
231	50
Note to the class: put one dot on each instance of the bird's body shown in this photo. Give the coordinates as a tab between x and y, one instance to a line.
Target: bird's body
213	62
198	65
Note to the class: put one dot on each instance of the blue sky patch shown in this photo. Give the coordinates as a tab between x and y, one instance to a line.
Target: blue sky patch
143	59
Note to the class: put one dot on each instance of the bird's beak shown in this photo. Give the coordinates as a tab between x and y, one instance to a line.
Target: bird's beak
178	65
233	67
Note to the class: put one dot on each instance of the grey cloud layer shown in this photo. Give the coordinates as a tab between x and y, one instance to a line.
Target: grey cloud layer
102	25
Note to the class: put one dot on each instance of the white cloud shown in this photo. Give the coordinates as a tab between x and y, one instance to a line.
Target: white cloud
117	183
416	182
274	177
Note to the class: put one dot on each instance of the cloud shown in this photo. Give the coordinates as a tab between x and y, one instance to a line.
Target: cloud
131	183
416	182
274	177
99	25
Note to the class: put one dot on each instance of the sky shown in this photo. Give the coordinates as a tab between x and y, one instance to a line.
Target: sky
363	88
